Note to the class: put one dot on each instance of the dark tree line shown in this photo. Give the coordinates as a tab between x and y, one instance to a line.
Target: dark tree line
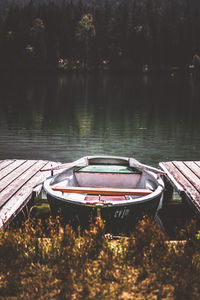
126	35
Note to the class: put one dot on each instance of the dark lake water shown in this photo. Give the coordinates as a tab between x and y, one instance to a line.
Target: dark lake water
63	117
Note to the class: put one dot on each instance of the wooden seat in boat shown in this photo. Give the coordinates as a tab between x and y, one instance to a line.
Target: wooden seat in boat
101	190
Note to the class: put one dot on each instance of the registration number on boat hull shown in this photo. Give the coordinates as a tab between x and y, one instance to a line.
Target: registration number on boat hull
122	213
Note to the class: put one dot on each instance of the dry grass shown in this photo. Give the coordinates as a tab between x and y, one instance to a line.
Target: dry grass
55	262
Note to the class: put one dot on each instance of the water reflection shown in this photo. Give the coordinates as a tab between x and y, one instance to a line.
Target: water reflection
64	117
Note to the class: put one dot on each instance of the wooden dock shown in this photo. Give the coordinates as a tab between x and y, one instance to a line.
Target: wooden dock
184	176
19	182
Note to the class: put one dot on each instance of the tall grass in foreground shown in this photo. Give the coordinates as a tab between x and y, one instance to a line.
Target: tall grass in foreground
55	262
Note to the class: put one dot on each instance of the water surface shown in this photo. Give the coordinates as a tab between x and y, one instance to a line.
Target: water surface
63	117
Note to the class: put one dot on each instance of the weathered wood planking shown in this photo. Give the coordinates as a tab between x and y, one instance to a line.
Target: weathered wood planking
185	177
17	181
13	174
5	163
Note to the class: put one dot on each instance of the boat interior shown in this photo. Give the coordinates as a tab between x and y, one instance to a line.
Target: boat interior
106	182
110	180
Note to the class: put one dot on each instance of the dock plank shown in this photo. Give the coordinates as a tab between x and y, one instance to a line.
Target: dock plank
10	168
24	193
5	163
198	163
12	174
191	177
185	174
180	178
194	167
29	169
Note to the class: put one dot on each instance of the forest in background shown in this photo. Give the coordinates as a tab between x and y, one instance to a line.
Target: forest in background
87	35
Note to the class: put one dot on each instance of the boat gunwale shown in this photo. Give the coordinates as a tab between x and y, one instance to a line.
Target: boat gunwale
131	201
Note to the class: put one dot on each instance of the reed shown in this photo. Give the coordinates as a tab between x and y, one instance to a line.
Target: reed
49	260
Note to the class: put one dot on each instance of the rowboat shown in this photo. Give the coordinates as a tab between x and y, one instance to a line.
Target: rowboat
120	190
